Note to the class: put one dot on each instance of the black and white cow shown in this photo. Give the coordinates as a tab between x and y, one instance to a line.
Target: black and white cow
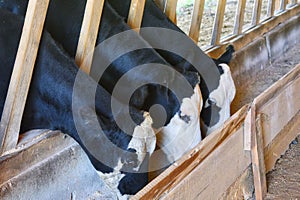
49	106
179	119
216	96
183	114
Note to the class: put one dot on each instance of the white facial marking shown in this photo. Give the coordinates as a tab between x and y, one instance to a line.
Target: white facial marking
179	136
143	139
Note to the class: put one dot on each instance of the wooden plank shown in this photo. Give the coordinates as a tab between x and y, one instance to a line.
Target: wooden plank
161	4
180	169
218	23
88	34
256	12
257	157
283	4
281	142
22	73
196	20
136	13
171	10
278	86
212	177
239	17
281	107
271	8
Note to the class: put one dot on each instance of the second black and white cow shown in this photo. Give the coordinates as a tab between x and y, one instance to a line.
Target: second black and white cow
218	94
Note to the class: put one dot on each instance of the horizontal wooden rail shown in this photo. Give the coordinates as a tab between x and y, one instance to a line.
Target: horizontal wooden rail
22	73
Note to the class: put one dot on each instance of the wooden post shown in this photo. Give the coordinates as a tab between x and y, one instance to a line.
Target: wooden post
88	34
171	10
196	20
283	4
239	17
271	8
136	13
218	23
22	73
257	154
256	12
161	4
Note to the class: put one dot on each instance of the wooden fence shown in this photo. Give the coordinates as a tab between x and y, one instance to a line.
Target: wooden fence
274	8
252	135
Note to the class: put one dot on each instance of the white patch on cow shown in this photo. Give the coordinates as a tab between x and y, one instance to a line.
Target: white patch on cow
223	96
143	139
180	135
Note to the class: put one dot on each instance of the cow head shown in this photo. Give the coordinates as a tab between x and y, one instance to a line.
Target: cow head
219	100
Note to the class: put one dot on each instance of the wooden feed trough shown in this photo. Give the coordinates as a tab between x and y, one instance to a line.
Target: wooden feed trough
255	134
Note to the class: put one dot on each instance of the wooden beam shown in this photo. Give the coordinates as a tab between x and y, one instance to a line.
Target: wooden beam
214	175
88	34
218	23
256	12
181	168
171	10
196	20
257	157
22	73
161	4
239	17
283	4
271	8
136	13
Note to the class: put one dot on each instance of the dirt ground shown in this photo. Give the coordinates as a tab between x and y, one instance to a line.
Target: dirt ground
284	181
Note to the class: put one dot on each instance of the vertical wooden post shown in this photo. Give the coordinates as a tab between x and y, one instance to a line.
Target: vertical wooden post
161	4
271	8
22	73
283	4
88	34
218	23
239	17
171	10
256	12
257	154
196	20
136	13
